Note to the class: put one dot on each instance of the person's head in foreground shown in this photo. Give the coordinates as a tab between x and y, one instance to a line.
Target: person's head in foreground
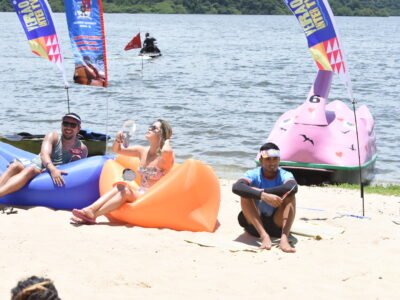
158	132
71	124
35	288
269	158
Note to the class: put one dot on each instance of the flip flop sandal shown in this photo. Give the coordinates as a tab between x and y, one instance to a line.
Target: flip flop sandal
76	221
83	217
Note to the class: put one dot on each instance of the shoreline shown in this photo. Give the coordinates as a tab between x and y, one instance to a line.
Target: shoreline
342	256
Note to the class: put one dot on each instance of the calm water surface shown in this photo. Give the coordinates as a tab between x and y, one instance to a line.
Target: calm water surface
222	82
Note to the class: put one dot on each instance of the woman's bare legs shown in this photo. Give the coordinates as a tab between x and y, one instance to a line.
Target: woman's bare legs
123	195
111	200
90	210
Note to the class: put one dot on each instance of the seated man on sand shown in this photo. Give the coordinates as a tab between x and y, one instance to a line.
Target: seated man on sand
267	199
56	150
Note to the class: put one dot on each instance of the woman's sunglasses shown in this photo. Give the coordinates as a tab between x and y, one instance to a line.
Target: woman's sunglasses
153	128
69	124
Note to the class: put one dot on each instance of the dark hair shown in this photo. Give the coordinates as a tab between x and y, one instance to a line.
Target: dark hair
268	146
35	288
147	34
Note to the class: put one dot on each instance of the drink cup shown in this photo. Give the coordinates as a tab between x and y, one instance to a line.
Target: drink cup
128	132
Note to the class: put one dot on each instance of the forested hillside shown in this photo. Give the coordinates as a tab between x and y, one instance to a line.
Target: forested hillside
256	7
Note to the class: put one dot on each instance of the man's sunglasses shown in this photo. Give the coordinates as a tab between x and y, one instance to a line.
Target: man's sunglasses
154	128
69	124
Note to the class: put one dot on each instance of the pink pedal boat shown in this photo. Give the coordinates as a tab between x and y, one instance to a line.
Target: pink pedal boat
318	139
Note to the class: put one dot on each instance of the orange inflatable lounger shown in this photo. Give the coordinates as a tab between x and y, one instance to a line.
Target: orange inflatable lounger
187	198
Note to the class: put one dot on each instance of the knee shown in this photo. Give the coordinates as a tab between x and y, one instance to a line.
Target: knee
290	200
127	190
131	195
32	172
123	191
16	167
245	202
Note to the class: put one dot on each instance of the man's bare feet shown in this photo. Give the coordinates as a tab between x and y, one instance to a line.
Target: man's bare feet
266	243
285	246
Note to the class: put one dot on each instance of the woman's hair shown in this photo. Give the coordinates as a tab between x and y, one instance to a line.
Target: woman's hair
166	132
35	288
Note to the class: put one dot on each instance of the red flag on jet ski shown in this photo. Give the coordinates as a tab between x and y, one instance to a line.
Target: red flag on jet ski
135	43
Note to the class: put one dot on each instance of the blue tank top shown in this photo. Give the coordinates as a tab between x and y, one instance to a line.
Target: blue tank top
59	156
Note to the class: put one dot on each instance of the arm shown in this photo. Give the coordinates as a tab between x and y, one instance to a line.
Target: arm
243	189
130	151
45	155
85	150
47	147
167	156
283	190
275	196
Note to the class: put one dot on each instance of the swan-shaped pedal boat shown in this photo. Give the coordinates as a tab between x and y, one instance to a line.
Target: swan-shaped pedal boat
318	139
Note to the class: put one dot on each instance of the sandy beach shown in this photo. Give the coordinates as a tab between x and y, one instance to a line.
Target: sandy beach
338	255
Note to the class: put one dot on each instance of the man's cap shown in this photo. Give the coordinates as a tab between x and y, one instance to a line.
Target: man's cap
73	116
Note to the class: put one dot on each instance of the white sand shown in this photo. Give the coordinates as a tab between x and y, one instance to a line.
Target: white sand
119	262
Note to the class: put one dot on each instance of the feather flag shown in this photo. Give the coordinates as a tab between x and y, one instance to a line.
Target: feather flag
135	43
317	20
86	32
36	19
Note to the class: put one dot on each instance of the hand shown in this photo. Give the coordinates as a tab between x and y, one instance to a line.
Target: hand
119	138
56	175
271	199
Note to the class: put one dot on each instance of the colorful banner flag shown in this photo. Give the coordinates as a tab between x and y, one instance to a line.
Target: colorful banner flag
135	43
36	19
86	32
317	20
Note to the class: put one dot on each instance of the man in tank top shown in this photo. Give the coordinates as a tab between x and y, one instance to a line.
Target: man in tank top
56	150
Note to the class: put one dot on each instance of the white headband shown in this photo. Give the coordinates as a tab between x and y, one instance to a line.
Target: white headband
268	153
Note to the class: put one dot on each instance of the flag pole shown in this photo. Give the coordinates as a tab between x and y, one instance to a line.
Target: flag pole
105	151
66	89
141	50
353	101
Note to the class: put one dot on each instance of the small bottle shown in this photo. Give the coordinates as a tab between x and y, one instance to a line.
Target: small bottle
128	132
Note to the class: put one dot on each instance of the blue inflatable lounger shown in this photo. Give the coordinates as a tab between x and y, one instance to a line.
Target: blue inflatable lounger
81	183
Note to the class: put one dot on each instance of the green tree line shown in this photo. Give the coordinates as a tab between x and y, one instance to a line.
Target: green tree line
247	7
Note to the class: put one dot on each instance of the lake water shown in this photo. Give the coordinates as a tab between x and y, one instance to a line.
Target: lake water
222	82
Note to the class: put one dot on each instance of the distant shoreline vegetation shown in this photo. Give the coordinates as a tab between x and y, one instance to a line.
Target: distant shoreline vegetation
382	8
